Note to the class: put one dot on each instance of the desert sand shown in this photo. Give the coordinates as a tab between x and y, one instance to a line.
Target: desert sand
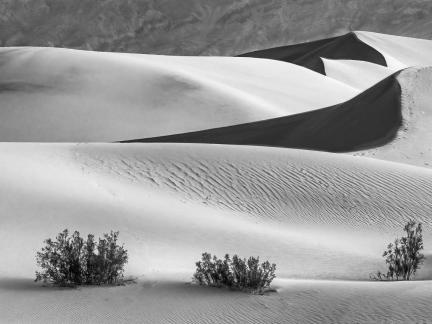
315	170
62	95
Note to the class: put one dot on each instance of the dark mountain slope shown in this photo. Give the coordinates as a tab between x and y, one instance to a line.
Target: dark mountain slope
202	27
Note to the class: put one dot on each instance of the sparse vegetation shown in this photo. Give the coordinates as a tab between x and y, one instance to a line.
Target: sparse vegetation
70	260
248	275
403	257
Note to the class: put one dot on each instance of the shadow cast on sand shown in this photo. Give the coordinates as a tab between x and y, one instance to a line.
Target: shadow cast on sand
21	284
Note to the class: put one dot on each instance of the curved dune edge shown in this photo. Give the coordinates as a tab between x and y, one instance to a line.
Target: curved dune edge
368	120
308	55
63	95
399	52
357	74
412	144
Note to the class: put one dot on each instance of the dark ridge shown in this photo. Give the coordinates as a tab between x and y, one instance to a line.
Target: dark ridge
371	119
308	55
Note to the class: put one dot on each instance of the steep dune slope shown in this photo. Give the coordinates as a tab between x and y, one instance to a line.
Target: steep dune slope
358	74
171	202
66	95
309	54
399	52
413	143
368	120
396	52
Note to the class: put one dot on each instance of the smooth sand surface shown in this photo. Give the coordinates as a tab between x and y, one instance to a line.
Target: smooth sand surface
62	95
309	54
358	74
158	301
399	52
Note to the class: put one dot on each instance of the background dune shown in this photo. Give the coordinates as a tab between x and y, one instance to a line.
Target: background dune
389	117
309	54
60	95
358	74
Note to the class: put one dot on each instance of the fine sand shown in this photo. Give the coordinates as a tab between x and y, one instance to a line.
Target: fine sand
332	214
62	95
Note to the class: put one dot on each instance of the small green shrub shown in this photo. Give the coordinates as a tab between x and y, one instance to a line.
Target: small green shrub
236	273
403	257
71	260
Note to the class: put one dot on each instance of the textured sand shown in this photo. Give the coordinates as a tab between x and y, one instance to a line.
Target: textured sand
317	215
412	145
332	214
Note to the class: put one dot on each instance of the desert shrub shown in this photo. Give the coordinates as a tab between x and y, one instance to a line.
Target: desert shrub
71	260
235	273
403	257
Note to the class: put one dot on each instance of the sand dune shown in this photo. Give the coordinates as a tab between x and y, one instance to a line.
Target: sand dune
278	203
396	52
309	54
399	52
324	218
412	145
300	209
66	95
296	302
358	74
368	120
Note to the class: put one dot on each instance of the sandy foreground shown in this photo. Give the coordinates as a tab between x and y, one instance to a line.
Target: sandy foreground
171	202
159	301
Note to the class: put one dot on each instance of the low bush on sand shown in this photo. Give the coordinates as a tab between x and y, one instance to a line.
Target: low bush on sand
236	273
70	260
403	257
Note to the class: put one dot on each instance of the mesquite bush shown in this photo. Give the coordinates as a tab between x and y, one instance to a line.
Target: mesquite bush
71	260
403	257
236	273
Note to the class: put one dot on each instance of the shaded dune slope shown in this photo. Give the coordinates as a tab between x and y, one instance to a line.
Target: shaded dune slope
368	120
412	144
309	54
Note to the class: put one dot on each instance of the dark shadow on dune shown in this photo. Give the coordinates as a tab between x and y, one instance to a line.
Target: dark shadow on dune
308	55
20	284
371	119
22	87
425	272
